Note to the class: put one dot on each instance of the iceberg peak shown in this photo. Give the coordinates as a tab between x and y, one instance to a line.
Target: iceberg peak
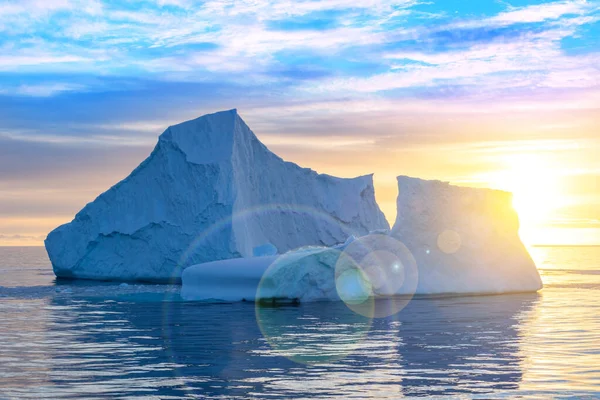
209	138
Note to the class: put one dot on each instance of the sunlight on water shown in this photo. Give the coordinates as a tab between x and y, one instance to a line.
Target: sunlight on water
562	336
93	340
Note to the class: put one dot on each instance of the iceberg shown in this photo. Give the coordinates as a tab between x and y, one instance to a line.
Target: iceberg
210	190
464	240
446	240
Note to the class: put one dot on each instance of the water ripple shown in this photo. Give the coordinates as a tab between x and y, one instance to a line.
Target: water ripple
90	340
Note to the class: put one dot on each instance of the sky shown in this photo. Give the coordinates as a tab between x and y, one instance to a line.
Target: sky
502	94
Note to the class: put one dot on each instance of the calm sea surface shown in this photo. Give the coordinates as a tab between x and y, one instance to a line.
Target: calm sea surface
93	340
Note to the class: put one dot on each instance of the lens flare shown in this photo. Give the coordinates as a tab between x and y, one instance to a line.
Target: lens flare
202	248
353	286
291	286
219	233
449	241
376	276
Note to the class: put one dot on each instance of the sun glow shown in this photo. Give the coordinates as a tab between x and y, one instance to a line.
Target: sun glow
537	193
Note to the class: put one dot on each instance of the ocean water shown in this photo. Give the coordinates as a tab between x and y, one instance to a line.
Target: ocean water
97	340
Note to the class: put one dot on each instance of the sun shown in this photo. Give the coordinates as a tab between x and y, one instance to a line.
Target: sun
537	194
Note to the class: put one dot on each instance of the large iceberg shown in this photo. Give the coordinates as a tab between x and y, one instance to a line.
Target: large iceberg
446	240
209	191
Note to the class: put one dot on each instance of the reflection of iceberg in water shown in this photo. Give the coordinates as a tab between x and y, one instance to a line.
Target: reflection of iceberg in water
463	344
151	347
452	345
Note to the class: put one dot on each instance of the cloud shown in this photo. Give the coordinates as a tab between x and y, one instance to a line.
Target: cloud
530	59
21	237
42	90
35	6
255	42
12	62
540	12
21	240
319	142
99	140
225	24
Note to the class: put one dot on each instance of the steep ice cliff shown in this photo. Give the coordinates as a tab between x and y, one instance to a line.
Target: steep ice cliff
209	191
464	240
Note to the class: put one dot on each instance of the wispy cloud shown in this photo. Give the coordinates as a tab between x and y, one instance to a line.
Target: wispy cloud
21	240
117	140
42	90
27	58
541	12
235	41
319	142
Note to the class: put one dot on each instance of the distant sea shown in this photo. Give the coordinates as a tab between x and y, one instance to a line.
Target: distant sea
106	340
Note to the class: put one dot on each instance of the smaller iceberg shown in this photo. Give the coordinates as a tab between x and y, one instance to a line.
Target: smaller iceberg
446	240
464	239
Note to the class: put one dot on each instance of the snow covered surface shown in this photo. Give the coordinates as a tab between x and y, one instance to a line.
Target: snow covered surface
374	265
305	274
464	240
209	191
227	280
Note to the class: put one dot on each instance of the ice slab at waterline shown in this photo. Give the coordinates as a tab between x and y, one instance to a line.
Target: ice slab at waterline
209	191
372	266
227	280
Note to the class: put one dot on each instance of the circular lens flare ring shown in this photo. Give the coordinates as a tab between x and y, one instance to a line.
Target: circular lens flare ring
306	333
376	276
449	241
